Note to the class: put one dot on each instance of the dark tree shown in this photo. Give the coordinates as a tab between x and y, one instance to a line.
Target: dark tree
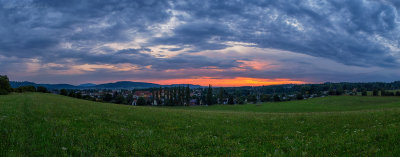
187	95
221	95
339	91
375	92
209	99
129	99
383	92
230	100
240	100
331	92
42	89
252	98
119	99
299	96
107	97
26	89
398	93
265	98
71	93
141	101
364	93
78	95
5	87
153	95
277	98
63	92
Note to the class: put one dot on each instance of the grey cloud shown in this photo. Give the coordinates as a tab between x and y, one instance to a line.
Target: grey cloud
345	31
361	33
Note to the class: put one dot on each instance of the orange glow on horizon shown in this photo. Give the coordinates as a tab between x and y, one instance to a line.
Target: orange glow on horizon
229	82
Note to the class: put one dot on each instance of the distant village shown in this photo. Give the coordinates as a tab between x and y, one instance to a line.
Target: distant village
185	96
197	95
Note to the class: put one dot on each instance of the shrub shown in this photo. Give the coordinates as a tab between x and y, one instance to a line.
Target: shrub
63	92
364	93
26	89
5	87
42	89
299	96
141	101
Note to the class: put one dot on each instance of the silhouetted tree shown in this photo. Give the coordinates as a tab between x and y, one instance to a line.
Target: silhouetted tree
364	93
141	101
107	97
187	95
252	98
5	87
63	92
26	89
299	96
240	100
277	98
119	99
375	92
78	95
221	95
265	97
42	89
209	99
230	100
129	99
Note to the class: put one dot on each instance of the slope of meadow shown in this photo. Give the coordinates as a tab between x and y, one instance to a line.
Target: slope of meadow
35	124
325	104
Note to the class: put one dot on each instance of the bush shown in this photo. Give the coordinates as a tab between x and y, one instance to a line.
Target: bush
230	100
265	98
5	87
63	92
26	89
277	98
240	100
299	96
364	93
252	98
375	92
42	89
141	101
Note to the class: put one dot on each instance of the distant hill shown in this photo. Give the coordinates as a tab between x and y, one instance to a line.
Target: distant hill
115	85
15	84
183	85
126	84
87	85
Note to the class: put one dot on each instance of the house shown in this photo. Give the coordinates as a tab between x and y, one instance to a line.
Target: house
144	94
193	102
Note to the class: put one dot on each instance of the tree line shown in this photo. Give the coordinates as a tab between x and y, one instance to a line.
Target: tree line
5	87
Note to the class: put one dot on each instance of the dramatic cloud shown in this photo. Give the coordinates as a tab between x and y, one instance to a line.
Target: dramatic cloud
175	40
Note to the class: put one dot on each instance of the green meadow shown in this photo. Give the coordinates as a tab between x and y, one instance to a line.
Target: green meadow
325	104
34	124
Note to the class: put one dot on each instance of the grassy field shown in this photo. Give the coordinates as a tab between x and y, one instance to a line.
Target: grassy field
35	124
326	104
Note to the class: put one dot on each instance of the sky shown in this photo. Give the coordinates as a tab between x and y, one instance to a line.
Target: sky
218	42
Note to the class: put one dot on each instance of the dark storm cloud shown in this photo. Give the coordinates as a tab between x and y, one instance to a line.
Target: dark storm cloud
28	28
141	58
349	32
197	34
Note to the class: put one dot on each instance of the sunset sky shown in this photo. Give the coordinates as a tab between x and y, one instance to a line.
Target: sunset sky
223	43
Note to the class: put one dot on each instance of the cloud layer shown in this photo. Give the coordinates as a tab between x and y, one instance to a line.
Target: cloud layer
100	41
